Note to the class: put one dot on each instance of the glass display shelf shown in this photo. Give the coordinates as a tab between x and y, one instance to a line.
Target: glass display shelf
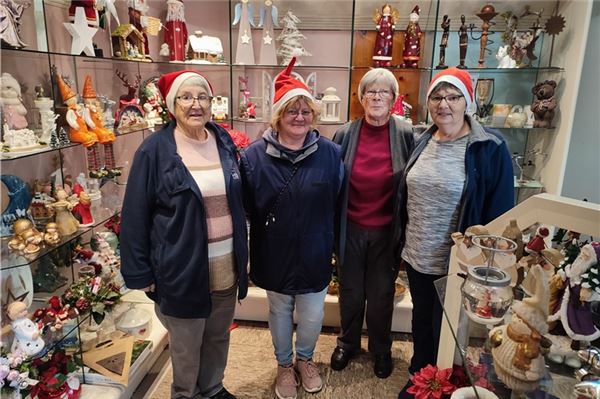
260	120
473	352
296	67
110	205
470	70
11	156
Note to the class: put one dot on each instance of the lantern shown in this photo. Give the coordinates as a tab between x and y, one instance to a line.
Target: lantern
331	106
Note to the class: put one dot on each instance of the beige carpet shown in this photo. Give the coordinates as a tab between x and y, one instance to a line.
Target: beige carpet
251	370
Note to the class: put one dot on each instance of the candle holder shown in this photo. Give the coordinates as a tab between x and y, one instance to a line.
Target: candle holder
486	14
487	294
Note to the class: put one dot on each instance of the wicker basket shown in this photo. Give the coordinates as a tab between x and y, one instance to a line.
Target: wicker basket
152	26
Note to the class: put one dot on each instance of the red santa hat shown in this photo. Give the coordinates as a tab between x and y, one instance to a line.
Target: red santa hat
416	10
288	87
169	85
459	78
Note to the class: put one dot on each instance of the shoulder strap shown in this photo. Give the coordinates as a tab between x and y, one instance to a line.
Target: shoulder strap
271	214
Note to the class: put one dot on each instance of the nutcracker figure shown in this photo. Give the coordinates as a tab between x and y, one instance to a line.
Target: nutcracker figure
385	25
176	33
412	41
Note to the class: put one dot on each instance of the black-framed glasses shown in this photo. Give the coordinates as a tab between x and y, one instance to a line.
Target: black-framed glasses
187	100
450	99
382	93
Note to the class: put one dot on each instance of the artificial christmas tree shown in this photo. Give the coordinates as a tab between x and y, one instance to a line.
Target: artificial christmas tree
290	39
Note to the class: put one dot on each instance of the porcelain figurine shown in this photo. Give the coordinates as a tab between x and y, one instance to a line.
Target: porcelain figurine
537	243
385	25
130	115
504	59
66	222
154	104
204	49
16	136
412	41
51	235
27	338
26	239
47	116
90	9
176	33
573	308
11	13
518	347
244	51
82	209
513	232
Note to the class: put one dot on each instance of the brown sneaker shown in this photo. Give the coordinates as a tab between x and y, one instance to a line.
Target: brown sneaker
310	376
286	384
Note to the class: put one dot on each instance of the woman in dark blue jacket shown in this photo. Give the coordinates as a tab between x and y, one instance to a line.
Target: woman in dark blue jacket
183	234
291	178
458	175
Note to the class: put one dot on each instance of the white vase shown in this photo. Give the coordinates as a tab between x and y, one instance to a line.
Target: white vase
469	393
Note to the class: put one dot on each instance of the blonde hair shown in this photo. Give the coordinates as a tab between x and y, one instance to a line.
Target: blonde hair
278	115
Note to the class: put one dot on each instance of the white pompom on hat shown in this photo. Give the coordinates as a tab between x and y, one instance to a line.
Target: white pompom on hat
169	84
459	78
288	87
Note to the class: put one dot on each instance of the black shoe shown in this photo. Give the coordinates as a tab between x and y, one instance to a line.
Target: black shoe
340	358
383	365
223	394
405	395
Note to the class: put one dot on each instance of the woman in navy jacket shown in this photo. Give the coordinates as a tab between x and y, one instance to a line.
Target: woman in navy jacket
183	234
458	175
291	178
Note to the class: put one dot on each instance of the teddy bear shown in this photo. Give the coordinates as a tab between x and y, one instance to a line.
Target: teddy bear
544	103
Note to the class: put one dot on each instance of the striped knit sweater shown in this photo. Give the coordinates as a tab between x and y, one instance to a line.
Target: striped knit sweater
202	160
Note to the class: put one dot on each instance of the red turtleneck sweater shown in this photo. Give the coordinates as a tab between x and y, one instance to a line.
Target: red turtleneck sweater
370	196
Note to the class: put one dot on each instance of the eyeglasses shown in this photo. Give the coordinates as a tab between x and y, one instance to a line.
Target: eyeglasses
187	100
382	93
294	113
450	99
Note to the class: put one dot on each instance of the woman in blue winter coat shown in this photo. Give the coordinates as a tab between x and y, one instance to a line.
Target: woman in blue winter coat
459	174
291	178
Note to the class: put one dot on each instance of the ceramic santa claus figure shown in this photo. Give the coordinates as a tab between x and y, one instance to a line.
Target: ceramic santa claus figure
412	41
537	244
573	308
176	34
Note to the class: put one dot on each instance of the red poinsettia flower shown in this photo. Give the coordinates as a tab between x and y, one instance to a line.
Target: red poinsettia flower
431	383
240	139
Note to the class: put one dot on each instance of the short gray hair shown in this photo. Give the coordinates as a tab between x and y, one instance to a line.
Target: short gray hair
196	81
378	75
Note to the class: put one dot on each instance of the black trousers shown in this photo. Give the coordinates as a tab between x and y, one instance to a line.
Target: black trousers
426	318
368	274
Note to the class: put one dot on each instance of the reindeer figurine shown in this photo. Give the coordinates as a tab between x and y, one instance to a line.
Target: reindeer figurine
130	115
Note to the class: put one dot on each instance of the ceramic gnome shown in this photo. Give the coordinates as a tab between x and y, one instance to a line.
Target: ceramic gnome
27	335
385	25
518	347
573	308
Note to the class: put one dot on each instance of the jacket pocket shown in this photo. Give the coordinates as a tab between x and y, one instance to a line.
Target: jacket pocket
176	180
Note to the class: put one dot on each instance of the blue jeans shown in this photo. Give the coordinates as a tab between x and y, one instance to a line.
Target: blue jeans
309	314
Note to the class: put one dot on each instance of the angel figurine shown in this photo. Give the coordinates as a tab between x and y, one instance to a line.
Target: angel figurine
412	41
11	13
66	222
268	19
385	25
244	53
27	338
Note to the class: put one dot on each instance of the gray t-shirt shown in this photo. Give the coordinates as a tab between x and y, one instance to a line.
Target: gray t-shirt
435	184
